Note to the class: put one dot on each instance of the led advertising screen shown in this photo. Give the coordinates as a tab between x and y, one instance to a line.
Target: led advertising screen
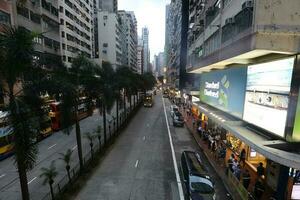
267	95
296	130
225	89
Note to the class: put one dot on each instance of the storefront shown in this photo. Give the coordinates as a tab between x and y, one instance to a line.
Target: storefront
252	105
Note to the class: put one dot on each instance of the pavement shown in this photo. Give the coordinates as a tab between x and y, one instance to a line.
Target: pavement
140	164
49	150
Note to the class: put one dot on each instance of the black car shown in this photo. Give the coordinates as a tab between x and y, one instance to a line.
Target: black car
178	119
197	182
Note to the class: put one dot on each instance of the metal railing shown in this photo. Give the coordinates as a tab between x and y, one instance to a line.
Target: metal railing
59	187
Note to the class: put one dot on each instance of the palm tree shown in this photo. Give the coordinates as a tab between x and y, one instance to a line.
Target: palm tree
66	157
90	138
98	132
49	174
16	55
107	88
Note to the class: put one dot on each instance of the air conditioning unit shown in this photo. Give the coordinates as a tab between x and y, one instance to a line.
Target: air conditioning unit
229	21
247	4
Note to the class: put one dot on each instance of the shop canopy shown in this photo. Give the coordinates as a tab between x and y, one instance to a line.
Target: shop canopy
276	150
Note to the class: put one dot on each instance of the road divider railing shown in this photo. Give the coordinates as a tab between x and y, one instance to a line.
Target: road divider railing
67	184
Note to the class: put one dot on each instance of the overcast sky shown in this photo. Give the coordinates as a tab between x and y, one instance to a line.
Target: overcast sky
150	13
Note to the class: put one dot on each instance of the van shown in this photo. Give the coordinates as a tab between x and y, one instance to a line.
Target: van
197	182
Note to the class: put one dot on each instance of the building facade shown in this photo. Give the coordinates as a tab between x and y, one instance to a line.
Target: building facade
109	43
108	5
41	17
176	43
140	59
249	64
6	16
146	50
130	30
76	29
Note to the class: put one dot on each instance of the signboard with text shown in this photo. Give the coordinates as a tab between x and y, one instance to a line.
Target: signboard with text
225	89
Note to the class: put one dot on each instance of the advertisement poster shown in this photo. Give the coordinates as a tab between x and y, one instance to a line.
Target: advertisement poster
267	95
296	131
225	89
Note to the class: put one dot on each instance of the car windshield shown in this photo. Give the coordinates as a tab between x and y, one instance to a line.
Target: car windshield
201	185
175	109
178	116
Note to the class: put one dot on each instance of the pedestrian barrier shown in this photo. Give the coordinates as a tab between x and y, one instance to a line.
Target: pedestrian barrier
112	132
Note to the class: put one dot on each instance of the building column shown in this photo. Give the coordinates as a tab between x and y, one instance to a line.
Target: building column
282	182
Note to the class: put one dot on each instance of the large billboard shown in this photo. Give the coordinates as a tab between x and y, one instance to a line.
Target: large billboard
296	130
225	89
267	95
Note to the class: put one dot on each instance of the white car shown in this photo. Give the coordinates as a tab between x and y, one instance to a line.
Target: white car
173	109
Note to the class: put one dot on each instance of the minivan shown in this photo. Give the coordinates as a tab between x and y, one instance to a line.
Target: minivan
197	182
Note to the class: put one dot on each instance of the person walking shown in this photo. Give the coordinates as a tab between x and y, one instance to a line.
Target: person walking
243	157
260	170
237	172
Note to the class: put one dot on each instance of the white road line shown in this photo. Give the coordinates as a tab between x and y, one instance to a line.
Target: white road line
144	138
31	180
179	184
136	163
74	147
1	176
51	146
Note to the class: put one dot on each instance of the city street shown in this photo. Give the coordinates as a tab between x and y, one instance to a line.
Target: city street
140	164
49	150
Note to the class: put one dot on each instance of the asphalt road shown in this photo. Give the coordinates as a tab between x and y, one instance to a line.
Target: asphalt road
140	165
49	150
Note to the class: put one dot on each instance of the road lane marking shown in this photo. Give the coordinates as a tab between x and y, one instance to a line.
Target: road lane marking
136	163
74	147
144	138
1	176
31	180
51	146
179	184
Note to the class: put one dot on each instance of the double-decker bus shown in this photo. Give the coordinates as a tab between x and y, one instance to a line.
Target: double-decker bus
84	110
46	129
6	136
148	99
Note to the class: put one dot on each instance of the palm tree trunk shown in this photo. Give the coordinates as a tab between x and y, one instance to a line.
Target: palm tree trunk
23	180
69	175
78	139
117	112
124	106
130	103
20	164
104	123
51	191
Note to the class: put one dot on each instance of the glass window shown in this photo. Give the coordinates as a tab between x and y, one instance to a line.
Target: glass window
4	18
202	185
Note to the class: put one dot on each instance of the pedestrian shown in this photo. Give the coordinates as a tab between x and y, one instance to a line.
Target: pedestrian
243	157
200	130
194	122
260	169
237	172
246	179
235	164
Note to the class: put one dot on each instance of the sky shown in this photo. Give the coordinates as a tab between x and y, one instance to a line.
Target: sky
149	13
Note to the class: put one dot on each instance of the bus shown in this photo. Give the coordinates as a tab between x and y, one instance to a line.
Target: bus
148	100
45	125
6	136
84	110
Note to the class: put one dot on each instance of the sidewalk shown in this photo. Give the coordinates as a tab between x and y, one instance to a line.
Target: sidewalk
219	166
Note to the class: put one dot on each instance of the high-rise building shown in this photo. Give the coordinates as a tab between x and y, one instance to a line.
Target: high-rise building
140	59
76	29
108	5
41	17
176	42
131	39
146	51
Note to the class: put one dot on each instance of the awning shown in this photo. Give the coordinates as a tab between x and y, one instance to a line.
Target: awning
278	151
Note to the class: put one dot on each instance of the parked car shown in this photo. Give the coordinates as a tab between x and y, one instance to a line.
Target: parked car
197	182
178	119
173	109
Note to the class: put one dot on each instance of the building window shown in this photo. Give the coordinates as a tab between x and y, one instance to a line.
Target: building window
69	59
104	17
62	34
63	46
4	18
61	22
105	45
23	11
64	58
36	18
61	9
104	51
38	40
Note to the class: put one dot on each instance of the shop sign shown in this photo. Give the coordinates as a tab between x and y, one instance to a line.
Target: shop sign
267	95
225	89
296	130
